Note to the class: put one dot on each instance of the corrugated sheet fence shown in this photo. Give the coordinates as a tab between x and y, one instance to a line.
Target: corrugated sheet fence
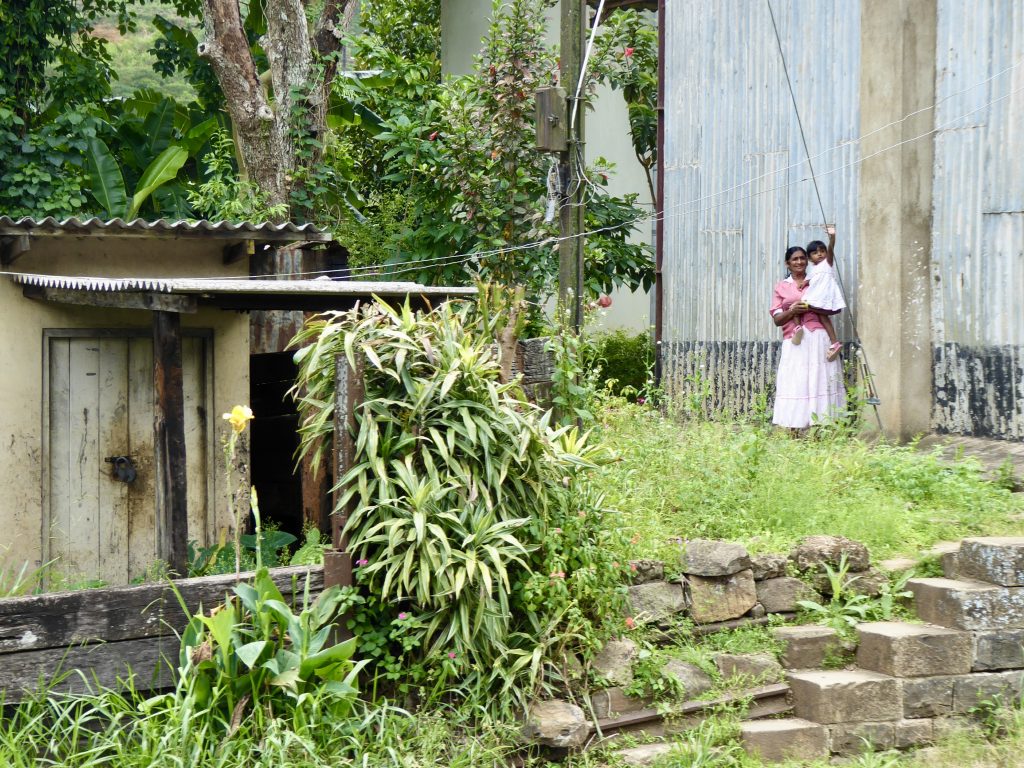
737	188
978	219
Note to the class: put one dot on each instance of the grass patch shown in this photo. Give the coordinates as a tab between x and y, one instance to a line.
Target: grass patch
675	481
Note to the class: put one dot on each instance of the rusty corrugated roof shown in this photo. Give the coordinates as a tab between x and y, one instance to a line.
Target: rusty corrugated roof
163	228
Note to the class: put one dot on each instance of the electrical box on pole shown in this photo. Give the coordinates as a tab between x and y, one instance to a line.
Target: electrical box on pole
552	119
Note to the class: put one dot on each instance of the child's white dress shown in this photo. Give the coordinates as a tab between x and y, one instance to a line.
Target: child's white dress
823	291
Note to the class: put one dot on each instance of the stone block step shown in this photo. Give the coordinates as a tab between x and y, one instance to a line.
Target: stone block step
965	604
807	646
995	559
900	649
788	739
843	696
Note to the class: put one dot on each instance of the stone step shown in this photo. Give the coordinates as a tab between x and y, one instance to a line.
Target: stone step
791	738
900	649
996	559
965	604
808	646
844	696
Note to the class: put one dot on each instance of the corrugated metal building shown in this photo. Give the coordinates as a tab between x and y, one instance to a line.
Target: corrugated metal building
737	190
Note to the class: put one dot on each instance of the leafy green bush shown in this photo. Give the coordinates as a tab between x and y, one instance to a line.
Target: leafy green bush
473	528
626	361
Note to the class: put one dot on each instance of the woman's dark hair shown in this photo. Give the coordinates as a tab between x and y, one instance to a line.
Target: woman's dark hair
793	249
816	245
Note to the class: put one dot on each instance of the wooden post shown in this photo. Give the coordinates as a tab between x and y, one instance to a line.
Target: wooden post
169	443
570	248
348	394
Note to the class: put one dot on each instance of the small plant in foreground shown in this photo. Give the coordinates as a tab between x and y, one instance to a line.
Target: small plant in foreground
845	609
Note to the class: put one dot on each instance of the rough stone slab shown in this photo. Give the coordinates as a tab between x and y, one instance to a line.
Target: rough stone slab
928	697
694	680
645	754
854	738
913	733
807	647
768	566
913	650
869	582
897	564
971	690
972	605
644	571
717	598
759	667
947	553
615	661
656	600
702	557
788	739
556	723
842	696
613	702
813	552
945	726
996	559
998	649
780	595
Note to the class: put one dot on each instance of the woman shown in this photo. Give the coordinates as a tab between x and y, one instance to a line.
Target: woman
808	387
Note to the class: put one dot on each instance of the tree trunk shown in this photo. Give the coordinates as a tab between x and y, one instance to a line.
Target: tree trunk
264	127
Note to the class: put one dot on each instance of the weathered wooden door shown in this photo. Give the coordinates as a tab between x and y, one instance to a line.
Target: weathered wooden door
100	407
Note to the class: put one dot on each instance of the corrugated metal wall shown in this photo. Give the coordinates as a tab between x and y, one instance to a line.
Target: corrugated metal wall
978	219
736	193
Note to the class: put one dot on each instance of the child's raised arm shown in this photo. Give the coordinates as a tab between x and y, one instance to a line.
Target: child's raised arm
830	230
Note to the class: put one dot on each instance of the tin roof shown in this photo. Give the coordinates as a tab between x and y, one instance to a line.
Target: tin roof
237	293
162	228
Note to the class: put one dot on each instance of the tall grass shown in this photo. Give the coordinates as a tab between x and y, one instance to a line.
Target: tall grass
744	482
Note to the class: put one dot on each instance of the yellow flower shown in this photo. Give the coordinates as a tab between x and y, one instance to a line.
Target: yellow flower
240	416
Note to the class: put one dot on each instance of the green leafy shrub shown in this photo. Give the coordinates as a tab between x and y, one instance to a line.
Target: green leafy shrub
626	361
254	655
473	528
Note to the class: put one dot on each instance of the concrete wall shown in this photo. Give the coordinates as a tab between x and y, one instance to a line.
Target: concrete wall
22	376
463	25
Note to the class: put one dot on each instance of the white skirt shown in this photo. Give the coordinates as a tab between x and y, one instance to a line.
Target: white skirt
808	388
824	292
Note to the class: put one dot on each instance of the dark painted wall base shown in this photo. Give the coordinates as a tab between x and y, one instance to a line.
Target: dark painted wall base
979	391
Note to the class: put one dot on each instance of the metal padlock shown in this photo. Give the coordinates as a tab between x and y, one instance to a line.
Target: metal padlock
123	470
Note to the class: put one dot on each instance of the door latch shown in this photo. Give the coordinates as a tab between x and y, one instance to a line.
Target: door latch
123	469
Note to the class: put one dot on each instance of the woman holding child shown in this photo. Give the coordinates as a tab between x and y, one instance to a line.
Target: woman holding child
809	386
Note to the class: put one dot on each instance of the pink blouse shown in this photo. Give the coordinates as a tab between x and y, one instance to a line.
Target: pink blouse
786	295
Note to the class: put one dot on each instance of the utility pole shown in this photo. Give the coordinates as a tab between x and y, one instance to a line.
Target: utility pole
571	219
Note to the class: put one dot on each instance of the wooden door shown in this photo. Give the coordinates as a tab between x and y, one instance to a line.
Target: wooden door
100	406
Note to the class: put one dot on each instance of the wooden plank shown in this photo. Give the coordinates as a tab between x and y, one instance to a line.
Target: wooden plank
61	619
112	418
81	559
170	461
193	370
104	664
57	527
348	394
142	493
163	302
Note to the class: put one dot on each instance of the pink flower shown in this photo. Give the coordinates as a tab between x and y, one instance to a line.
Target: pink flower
557	530
632	567
362	561
641	400
605	301
403	616
433	135
451	654
630	622
628	52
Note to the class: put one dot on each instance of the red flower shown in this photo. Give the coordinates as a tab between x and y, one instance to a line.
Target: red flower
628	52
630	622
433	136
604	301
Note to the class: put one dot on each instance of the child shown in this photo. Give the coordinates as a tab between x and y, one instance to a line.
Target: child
823	295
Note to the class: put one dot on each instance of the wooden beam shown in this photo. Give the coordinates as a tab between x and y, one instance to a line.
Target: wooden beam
159	302
348	394
169	443
12	247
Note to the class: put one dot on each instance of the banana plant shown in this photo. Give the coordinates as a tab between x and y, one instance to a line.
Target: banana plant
108	187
